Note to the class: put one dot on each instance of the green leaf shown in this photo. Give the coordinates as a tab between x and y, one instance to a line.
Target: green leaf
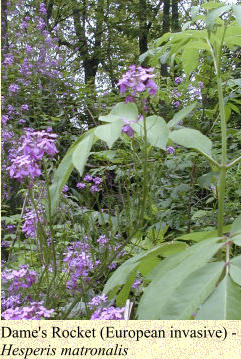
224	303
62	174
170	273
237	13
236	226
190	138
237	240
127	111
119	277
157	131
124	293
192	292
211	5
180	115
110	132
214	14
235	269
197	236
82	151
190	58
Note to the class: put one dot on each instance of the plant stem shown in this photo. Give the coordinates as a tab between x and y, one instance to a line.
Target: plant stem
234	162
145	177
223	168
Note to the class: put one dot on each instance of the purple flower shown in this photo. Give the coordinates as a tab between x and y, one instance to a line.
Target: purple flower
24	166
24	107
5	119
80	185
35	311
21	121
170	150
28	49
128	130
102	240
41	24
13	88
10	302
112	266
42	8
79	263
110	313
31	221
94	188
176	104
16	279
9	59
178	80
24	25
65	188
138	79
136	284
4	244
97	180
88	178
97	301
200	83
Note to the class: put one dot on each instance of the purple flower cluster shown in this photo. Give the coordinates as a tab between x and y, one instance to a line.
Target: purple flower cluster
97	301
138	79
79	263
35	311
136	283
128	130
10	302
30	222
103	240
170	149
16	279
94	183
34	144
110	313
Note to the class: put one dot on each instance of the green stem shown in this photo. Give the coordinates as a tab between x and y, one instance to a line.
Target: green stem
50	220
145	176
223	169
234	162
216	55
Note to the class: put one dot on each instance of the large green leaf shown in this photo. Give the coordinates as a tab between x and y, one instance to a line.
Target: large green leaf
180	115
235	269
62	174
237	239
190	138
236	226
197	236
170	273
157	131
190	56
127	111
214	14
237	13
82	151
192	292
224	303
110	132
143	261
